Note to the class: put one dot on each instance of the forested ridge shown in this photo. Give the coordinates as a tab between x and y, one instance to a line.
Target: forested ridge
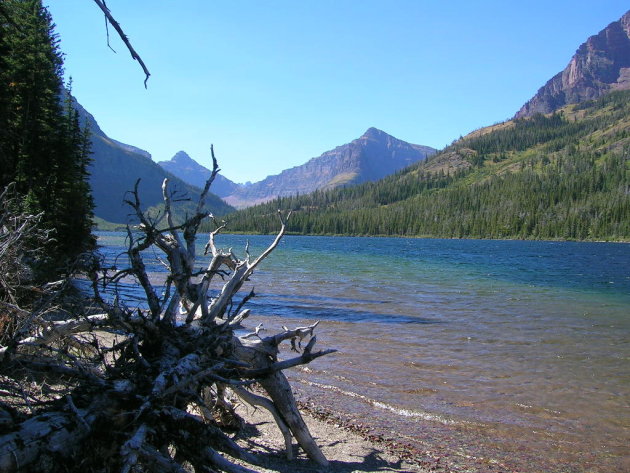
558	176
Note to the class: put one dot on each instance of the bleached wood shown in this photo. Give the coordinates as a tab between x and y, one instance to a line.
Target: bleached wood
255	400
143	386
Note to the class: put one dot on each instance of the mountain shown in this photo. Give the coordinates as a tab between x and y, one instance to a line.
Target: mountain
116	167
564	175
600	65
190	171
371	157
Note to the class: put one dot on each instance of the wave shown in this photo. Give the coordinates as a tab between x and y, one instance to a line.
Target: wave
382	405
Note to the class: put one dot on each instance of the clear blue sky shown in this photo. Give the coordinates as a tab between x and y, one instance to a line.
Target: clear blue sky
274	83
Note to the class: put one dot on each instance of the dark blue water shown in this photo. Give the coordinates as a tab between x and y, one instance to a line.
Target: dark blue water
518	350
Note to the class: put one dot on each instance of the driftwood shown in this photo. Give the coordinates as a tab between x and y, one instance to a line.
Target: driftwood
144	389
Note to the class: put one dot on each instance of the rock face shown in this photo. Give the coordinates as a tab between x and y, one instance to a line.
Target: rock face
371	157
190	171
115	168
600	65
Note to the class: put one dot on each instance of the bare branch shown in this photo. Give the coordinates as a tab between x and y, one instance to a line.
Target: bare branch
209	181
303	359
112	21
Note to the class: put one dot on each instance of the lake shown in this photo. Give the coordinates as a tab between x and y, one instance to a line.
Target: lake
493	355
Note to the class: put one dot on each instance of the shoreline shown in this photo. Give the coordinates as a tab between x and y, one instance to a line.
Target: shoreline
446	453
464	450
351	447
119	229
404	452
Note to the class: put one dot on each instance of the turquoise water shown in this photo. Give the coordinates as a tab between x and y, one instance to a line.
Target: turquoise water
516	352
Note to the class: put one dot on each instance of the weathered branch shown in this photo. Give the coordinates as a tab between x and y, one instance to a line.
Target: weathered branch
57	330
298	333
112	21
255	400
261	355
50	433
281	394
303	359
241	273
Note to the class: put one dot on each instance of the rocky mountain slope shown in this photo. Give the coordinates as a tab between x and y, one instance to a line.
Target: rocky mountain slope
370	157
600	65
116	167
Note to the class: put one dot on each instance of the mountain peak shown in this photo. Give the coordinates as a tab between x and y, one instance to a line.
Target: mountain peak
370	157
600	65
182	157
373	133
190	171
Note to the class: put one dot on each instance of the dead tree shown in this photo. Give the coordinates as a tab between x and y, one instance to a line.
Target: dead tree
144	389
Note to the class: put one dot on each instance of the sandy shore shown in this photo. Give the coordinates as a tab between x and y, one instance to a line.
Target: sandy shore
349	448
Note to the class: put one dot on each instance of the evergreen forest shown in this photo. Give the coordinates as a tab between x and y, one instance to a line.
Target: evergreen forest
44	153
559	176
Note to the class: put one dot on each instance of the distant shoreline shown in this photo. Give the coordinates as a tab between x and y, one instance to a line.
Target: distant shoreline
114	227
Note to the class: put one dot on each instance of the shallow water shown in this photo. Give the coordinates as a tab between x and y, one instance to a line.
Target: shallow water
507	353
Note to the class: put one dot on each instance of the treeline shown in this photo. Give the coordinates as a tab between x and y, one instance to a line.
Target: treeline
554	132
43	150
563	176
